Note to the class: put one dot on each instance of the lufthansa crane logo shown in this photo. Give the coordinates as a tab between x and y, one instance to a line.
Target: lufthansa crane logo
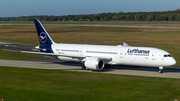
42	37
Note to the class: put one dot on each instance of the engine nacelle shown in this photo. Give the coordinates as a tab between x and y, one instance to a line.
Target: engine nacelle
94	64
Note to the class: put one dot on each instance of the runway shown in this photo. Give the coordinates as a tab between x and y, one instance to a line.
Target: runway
56	64
53	64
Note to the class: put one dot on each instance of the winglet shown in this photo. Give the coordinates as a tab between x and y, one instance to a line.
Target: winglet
43	36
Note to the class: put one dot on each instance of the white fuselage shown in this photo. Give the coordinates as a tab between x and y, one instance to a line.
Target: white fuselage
140	56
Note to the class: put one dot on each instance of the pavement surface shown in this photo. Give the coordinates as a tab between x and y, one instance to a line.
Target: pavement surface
51	63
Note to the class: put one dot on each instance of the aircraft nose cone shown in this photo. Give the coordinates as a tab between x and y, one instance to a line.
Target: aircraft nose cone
173	61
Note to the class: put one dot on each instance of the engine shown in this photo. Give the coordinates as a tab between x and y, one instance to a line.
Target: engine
94	64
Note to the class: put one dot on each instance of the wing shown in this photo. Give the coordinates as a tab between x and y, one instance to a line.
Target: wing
73	56
52	54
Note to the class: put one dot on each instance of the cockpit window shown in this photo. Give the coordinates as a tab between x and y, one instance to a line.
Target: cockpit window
167	55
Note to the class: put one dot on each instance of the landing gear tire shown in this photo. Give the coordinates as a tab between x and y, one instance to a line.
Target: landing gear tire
107	66
83	68
160	71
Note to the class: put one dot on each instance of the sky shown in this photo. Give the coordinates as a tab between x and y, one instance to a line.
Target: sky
16	8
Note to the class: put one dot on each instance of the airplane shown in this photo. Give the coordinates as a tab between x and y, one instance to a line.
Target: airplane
98	57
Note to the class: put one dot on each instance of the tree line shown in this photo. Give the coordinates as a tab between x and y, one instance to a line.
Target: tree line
120	16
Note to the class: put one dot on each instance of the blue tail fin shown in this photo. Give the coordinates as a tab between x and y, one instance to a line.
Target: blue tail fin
44	37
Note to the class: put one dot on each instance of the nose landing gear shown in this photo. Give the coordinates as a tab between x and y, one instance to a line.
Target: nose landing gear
161	69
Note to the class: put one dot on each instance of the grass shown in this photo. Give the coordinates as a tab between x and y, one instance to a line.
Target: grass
10	55
40	85
140	23
166	39
19	84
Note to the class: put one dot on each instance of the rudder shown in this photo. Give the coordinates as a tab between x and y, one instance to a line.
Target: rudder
43	36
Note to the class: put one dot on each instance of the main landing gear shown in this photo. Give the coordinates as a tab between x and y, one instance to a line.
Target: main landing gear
161	69
107	66
83	68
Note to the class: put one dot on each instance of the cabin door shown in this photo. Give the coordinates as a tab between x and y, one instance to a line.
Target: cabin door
122	54
154	54
82	51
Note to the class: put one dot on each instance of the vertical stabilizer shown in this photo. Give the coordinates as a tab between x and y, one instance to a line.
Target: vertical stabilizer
43	36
